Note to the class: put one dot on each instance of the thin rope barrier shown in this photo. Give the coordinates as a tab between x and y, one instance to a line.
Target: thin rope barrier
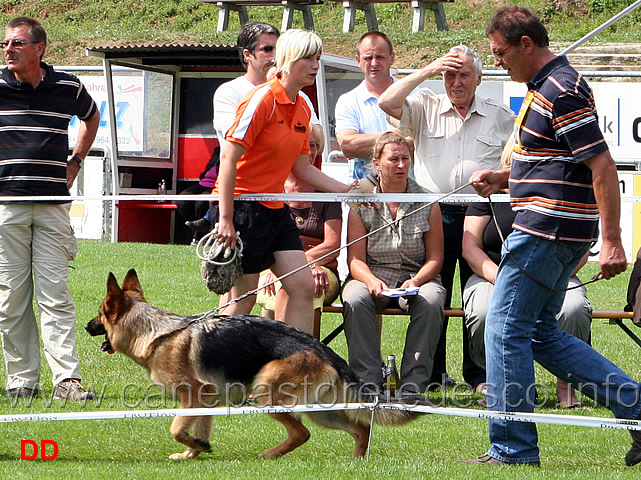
539	418
439	198
284	197
253	197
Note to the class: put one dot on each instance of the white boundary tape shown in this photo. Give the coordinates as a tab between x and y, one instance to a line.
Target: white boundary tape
572	420
174	412
285	197
546	418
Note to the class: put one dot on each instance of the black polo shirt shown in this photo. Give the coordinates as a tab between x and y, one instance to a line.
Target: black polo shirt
33	131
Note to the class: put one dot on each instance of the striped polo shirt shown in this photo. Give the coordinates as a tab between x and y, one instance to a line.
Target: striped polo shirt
33	131
556	131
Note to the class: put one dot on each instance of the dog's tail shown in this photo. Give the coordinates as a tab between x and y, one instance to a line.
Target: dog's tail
317	375
387	411
343	385
337	382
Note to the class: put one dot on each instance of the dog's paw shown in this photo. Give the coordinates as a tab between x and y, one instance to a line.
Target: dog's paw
203	445
271	453
186	455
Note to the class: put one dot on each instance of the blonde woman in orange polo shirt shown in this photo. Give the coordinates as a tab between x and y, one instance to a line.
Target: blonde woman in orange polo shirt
268	140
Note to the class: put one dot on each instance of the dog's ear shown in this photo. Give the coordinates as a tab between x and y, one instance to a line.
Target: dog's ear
114	300
132	285
113	289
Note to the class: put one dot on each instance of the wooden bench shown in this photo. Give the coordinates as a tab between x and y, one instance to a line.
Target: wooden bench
613	316
240	6
418	19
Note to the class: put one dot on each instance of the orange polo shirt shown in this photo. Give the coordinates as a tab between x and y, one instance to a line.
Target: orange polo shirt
275	132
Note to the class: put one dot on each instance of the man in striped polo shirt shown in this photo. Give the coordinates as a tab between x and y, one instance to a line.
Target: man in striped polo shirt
562	179
36	239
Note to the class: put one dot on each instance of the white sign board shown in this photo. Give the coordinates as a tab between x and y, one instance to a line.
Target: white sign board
618	106
87	216
129	102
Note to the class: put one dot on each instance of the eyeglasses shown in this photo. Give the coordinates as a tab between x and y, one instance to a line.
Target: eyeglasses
499	55
266	48
15	43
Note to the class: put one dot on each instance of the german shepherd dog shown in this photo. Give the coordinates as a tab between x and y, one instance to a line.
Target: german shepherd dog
197	359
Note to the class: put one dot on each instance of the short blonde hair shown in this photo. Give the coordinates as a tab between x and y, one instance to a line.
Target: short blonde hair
293	45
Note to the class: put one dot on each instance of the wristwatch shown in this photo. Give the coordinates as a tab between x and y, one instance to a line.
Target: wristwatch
76	159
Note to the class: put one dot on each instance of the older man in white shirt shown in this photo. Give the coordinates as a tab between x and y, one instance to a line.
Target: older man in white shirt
454	133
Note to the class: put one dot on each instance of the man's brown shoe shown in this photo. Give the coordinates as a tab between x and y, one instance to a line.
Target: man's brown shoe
23	392
487	460
71	389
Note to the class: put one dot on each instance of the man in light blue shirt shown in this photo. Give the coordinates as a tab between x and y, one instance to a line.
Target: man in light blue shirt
359	119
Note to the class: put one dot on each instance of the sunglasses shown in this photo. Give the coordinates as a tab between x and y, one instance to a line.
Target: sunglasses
266	48
15	43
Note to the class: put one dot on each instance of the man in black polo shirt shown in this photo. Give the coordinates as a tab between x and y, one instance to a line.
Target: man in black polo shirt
36	239
562	180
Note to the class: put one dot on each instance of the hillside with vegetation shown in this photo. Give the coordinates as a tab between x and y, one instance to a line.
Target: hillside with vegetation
74	25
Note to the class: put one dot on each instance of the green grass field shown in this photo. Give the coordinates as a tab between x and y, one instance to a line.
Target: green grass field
138	448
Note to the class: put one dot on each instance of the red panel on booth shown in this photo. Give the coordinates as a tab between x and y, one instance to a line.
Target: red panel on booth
144	222
193	155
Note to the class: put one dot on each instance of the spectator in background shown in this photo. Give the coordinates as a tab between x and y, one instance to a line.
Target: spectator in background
256	47
195	213
359	119
454	134
407	254
634	291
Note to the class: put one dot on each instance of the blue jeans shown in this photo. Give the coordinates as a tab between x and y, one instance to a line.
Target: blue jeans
521	327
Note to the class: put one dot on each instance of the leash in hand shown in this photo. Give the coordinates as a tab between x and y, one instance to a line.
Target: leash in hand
220	266
528	274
